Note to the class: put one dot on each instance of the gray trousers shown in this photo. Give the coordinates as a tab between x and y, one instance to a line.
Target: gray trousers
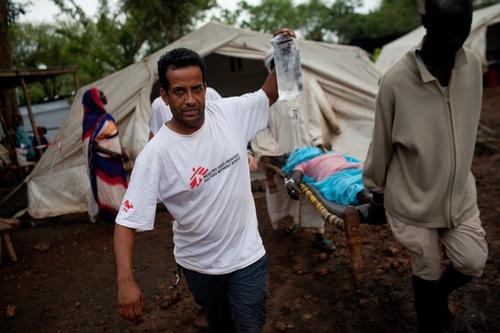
465	245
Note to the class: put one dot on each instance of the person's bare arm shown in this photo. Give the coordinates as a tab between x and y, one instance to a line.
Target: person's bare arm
252	162
270	86
130	297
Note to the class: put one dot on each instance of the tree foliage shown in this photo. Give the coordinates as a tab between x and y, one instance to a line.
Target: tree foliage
37	46
484	3
104	43
337	21
8	102
113	39
317	20
158	23
15	9
270	15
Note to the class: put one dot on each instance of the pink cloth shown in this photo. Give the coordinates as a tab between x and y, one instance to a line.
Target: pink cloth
324	166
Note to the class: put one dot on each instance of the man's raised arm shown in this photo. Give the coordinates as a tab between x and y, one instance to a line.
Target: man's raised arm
270	86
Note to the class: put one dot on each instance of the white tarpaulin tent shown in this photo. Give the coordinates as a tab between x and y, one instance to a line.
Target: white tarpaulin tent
342	77
482	19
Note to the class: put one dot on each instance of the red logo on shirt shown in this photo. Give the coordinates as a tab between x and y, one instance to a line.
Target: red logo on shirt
127	205
197	176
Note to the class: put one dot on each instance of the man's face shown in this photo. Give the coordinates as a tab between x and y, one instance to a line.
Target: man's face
447	28
186	98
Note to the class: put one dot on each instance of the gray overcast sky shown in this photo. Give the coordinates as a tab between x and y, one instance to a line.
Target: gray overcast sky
45	10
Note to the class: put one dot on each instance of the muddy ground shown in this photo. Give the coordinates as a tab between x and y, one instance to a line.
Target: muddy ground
67	284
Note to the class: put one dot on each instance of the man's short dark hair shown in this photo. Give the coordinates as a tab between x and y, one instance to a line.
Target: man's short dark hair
178	58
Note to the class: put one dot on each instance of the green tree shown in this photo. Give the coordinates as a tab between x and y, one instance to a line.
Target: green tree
99	45
485	3
138	27
104	43
154	24
76	42
343	21
270	15
318	20
8	102
393	17
38	46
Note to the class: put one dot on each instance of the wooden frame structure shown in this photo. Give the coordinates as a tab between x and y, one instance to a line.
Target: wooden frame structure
6	225
22	77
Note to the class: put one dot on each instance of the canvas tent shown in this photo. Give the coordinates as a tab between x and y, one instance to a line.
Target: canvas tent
343	78
484	38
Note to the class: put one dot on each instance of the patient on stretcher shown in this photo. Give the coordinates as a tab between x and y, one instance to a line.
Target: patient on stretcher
337	177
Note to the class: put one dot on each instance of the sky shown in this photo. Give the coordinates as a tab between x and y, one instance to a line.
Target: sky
46	11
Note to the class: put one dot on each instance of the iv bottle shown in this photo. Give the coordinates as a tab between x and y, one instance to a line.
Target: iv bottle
288	71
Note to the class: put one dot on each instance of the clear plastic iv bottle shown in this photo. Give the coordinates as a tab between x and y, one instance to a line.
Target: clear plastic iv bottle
287	63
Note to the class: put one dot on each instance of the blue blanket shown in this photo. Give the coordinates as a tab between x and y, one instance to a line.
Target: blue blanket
340	187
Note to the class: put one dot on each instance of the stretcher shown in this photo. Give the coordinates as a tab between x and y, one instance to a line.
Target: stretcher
345	218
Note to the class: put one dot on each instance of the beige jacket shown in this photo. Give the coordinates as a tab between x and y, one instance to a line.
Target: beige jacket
423	142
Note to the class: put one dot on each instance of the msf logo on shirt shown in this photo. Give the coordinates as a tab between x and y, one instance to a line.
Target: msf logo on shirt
197	177
127	205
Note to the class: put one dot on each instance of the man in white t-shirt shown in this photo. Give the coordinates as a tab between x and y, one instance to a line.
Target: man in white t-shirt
204	181
160	111
160	114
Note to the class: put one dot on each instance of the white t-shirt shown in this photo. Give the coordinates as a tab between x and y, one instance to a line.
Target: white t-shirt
203	180
160	111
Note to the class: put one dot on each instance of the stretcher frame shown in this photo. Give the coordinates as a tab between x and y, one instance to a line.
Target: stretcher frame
345	218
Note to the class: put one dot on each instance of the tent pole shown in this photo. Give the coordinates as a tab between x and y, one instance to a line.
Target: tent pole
30	114
76	79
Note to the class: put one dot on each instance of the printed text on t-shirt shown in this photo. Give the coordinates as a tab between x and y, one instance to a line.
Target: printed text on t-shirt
202	174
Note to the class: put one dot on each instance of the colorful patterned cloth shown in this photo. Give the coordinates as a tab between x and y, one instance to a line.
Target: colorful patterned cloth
340	186
104	159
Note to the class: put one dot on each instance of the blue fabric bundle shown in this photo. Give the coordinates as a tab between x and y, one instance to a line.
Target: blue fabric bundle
340	187
300	155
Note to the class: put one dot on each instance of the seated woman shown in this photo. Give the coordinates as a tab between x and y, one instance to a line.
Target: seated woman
336	176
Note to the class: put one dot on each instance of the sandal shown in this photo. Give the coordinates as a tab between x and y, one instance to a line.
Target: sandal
293	229
323	243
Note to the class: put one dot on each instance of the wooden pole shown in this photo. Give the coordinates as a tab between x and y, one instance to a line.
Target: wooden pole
30	114
355	242
76	79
